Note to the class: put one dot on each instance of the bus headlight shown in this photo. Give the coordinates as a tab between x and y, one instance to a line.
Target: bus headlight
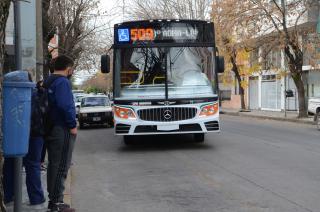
209	110
124	113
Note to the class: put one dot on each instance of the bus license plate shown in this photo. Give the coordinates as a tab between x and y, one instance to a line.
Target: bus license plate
167	127
96	118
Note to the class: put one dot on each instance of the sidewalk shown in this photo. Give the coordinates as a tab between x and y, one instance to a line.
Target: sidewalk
25	199
280	116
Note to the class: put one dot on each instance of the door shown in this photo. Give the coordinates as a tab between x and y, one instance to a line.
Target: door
270	92
254	93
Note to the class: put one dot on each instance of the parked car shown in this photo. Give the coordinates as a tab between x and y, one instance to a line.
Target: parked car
95	110
314	108
77	101
314	105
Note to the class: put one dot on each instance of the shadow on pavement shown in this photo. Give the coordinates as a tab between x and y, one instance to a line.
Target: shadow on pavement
163	142
98	126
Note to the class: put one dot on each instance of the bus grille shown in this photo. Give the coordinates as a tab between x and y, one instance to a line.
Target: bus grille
167	114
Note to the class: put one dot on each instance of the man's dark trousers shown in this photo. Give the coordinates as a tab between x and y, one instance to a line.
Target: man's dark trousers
31	163
60	145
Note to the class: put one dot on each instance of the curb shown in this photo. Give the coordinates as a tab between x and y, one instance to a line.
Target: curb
243	114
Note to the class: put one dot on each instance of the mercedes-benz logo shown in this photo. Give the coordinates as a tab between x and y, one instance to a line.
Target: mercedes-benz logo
167	114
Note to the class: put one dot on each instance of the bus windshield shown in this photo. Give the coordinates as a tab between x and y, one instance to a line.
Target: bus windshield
187	72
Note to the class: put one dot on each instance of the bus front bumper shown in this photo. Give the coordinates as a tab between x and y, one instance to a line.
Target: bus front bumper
138	127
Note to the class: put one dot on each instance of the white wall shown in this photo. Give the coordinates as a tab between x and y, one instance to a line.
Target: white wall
10	27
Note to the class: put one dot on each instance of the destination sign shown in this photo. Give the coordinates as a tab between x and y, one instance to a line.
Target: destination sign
149	34
166	33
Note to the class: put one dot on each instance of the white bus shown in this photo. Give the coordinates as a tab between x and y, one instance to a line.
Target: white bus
165	78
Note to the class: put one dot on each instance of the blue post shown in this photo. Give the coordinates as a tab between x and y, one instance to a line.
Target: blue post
18	60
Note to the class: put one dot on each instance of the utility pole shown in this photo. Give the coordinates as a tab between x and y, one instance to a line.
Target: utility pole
283	5
39	43
18	62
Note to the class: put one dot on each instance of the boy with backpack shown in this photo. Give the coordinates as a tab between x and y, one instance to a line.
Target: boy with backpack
61	131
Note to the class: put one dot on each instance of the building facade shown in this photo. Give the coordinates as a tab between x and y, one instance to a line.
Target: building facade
266	88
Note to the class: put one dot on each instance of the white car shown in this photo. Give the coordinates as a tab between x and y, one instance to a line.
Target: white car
77	101
95	110
314	105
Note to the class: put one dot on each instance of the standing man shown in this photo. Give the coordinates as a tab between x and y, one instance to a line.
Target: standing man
61	136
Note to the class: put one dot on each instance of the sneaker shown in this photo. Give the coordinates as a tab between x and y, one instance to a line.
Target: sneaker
43	167
62	210
60	206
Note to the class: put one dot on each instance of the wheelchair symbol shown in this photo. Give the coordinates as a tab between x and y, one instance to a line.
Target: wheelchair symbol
123	35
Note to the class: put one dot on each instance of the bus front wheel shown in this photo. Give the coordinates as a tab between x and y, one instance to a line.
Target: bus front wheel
198	137
128	140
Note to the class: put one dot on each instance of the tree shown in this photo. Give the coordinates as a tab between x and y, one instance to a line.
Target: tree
75	23
98	83
4	13
271	26
170	9
282	25
83	31
233	41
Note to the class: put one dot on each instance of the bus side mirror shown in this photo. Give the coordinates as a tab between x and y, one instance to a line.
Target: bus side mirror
220	64
105	64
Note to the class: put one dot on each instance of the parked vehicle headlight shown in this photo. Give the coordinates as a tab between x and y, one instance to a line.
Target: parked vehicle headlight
209	110
124	113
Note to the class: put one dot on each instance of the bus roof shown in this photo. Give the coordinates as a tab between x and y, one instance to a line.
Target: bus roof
162	20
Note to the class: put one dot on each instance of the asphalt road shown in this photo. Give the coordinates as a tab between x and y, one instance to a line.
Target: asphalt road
252	165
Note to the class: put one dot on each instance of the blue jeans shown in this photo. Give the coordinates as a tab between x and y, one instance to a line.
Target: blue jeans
31	163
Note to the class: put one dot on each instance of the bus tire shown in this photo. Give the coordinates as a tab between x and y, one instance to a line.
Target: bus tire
128	140
198	137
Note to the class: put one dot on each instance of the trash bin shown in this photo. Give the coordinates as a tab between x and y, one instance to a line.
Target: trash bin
17	91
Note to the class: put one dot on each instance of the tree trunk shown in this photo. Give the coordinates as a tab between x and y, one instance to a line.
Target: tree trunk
241	90
235	70
4	12
297	78
295	62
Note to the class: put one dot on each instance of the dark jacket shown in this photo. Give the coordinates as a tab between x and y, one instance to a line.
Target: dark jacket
62	108
37	122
